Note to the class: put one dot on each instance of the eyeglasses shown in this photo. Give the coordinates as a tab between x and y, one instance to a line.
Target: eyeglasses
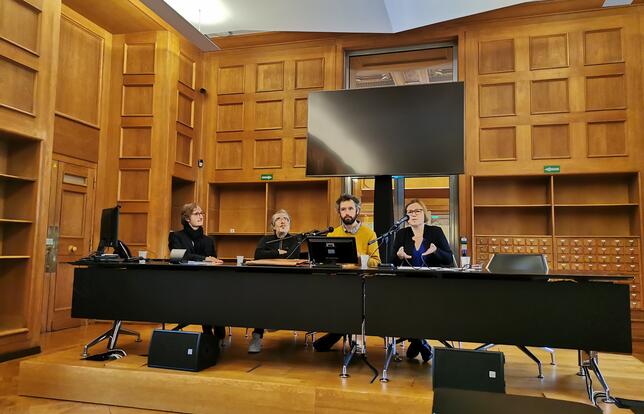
417	211
282	219
198	213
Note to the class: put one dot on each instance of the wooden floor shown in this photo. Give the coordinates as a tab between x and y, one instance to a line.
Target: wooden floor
284	377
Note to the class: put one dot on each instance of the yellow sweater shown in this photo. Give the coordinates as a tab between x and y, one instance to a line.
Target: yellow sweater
362	236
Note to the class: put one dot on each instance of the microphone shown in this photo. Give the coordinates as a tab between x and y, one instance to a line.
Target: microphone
320	232
404	219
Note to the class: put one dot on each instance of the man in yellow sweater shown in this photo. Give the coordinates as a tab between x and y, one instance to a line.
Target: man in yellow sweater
348	207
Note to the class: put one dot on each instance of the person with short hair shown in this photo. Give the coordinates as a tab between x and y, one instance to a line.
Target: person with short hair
421	245
348	208
280	244
199	247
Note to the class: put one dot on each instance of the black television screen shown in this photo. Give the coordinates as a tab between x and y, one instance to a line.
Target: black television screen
403	130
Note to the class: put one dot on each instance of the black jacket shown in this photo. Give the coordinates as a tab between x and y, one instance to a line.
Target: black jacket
267	250
196	250
431	234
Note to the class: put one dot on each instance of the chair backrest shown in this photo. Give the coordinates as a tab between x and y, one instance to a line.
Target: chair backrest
170	240
518	263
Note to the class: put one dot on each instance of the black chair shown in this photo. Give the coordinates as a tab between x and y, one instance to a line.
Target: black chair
528	264
453	401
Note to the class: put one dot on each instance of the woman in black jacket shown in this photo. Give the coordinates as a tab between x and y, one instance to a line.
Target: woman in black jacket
199	247
421	245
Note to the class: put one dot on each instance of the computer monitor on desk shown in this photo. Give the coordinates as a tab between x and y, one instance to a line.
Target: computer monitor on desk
333	251
110	234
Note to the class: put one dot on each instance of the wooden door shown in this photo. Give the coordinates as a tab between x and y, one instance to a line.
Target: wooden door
70	237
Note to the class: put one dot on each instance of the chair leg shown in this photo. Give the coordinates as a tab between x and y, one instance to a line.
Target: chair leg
310	334
131	332
551	351
534	358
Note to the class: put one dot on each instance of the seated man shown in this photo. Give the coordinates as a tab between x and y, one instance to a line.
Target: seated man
348	208
280	244
199	247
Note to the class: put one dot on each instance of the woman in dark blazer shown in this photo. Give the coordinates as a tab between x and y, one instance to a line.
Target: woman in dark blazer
199	247
421	245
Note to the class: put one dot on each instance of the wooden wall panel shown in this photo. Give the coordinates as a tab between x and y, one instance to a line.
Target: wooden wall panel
549	52
80	71
498	144
20	24
76	139
184	149
268	153
133	228
139	58
268	115
230	117
134	185
185	109
299	152
606	139
497	100
605	92
187	71
270	77
301	113
230	80
137	100
136	142
229	155
496	56
549	96
17	86
550	141
603	46
309	73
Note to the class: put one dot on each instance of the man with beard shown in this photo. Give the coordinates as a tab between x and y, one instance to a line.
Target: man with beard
348	207
282	245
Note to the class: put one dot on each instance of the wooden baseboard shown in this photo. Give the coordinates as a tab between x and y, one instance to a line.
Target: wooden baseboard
19	354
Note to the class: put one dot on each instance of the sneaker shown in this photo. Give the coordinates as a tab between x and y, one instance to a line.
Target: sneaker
255	344
325	343
425	350
414	348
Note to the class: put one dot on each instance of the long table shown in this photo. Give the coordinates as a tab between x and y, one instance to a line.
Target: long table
581	312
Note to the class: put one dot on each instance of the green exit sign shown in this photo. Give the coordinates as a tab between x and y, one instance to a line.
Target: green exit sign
266	177
551	169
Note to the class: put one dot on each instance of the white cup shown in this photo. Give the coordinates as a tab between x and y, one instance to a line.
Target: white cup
465	260
364	260
240	260
143	254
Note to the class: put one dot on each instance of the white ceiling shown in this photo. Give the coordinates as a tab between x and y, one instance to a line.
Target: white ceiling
222	17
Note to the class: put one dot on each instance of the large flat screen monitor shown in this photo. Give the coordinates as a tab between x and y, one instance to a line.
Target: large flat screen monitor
403	130
333	250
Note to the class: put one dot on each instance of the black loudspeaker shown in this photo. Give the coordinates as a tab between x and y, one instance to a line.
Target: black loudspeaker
468	370
188	351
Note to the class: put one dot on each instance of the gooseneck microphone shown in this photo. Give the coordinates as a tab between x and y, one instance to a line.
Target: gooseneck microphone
320	232
404	219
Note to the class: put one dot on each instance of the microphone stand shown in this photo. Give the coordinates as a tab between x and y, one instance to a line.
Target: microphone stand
385	237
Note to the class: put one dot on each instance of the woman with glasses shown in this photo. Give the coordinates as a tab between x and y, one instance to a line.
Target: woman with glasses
199	247
421	245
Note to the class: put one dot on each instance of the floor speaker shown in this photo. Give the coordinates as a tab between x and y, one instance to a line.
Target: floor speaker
467	369
188	351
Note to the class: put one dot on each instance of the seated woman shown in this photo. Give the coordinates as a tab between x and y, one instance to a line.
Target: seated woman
421	245
280	244
198	246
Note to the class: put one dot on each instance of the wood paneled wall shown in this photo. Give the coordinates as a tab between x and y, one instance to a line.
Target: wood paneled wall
156	123
256	112
28	60
564	92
